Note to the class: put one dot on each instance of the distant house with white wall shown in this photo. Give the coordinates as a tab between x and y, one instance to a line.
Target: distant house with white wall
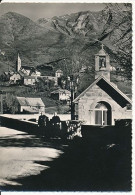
26	71
61	94
36	73
30	105
29	80
58	73
83	69
14	78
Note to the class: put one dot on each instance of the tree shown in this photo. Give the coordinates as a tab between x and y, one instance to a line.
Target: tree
10	104
59	106
43	85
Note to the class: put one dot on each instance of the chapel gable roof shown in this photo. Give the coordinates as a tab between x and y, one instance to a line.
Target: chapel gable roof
116	94
102	51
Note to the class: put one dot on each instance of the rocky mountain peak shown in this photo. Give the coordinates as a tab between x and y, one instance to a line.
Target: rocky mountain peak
75	37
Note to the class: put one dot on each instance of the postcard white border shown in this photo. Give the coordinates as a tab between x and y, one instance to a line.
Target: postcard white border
133	87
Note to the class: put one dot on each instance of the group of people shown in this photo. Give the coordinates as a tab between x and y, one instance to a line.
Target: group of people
50	128
57	128
44	121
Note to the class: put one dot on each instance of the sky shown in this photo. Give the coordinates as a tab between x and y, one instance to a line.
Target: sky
35	11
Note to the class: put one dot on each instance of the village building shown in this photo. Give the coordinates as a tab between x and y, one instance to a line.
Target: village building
26	70
30	105
58	73
36	73
21	73
6	75
29	72
102	103
83	69
61	94
14	78
29	80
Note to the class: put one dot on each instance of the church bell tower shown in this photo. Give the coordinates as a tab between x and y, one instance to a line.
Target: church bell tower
18	63
102	64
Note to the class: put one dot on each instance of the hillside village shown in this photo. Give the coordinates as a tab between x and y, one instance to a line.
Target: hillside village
27	75
30	76
60	87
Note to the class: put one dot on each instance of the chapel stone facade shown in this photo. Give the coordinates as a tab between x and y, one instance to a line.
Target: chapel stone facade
102	103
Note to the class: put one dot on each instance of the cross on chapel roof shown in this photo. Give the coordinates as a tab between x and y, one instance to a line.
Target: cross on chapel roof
102	46
102	51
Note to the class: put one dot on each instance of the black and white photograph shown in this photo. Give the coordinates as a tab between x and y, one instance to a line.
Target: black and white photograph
66	97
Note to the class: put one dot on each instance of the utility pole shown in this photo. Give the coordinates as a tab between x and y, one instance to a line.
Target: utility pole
1	103
72	97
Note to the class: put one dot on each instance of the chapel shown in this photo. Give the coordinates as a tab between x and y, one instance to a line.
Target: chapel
102	103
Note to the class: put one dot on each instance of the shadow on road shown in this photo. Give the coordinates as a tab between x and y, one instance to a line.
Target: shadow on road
84	166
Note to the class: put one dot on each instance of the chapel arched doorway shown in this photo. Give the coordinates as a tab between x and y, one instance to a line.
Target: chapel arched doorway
103	114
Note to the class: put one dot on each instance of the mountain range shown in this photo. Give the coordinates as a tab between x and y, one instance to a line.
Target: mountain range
67	41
